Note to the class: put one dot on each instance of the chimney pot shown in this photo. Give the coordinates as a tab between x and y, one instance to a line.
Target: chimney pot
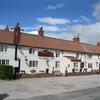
98	43
76	39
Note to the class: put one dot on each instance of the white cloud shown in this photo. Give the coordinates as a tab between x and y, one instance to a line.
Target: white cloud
85	18
89	33
81	19
53	21
96	12
2	26
28	28
76	20
46	28
92	28
50	28
32	32
61	35
57	6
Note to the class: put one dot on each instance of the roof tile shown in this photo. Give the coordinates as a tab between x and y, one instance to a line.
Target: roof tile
47	42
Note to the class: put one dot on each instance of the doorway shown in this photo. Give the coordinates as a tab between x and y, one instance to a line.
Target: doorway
47	71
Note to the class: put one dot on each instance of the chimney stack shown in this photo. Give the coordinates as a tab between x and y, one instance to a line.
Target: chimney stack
76	39
41	32
98	43
17	33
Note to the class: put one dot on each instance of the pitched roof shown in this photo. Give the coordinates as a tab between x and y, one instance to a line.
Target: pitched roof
47	42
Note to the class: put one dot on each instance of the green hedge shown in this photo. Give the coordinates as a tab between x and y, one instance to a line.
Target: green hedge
6	72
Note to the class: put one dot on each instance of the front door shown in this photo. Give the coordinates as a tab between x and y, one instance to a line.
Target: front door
47	71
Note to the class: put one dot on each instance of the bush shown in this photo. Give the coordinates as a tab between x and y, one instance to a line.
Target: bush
6	72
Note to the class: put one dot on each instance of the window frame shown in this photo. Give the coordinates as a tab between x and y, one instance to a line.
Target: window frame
31	50
77	55
57	53
57	64
90	65
3	48
33	63
4	61
75	64
89	56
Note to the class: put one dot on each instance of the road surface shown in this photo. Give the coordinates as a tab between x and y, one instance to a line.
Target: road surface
54	88
87	94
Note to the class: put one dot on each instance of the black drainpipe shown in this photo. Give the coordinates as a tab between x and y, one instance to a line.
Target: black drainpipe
16	42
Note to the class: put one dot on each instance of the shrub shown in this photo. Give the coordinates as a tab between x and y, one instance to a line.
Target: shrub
6	72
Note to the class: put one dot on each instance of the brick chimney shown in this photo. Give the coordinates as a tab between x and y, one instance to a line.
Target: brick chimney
98	43
76	39
41	32
17	33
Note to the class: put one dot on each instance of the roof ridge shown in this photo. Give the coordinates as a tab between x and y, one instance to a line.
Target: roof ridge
49	37
61	39
49	42
81	43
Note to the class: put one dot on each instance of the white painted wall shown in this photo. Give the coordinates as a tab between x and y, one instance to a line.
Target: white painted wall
9	55
23	54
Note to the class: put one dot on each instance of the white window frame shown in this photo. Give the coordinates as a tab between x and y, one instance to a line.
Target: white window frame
4	61
89	56
3	48
57	64
90	65
57	53
77	55
75	64
33	63
31	50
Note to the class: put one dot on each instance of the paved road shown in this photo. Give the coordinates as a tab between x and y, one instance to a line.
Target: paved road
87	94
35	89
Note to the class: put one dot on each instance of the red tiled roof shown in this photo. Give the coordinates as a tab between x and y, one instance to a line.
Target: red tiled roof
47	42
72	58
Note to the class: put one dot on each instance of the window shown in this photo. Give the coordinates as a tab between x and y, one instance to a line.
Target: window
68	65
90	56
97	64
75	64
33	63
57	53
30	63
89	65
31	50
98	56
0	62
57	64
5	62
3	48
62	52
77	55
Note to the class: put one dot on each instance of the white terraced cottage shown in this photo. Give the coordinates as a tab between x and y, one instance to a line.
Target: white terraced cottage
41	54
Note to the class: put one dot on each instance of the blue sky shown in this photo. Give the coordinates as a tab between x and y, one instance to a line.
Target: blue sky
60	18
